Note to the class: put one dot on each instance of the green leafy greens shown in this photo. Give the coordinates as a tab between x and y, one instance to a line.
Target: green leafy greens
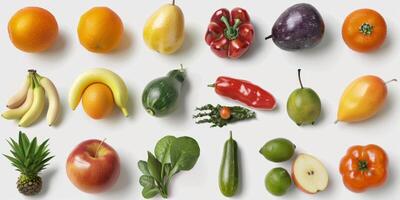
171	155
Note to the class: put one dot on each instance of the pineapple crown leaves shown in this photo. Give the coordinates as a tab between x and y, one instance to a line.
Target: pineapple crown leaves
29	157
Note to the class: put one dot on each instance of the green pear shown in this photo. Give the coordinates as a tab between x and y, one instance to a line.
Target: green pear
303	105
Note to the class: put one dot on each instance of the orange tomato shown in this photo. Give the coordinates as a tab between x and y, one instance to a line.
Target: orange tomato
362	99
98	101
33	29
364	30
100	30
364	167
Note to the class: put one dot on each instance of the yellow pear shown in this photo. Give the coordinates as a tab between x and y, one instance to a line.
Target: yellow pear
362	99
164	30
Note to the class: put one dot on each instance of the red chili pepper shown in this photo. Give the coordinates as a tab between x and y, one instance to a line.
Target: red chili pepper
245	92
230	34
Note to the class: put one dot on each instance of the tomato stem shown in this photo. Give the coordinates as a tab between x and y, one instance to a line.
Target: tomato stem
299	77
366	29
231	32
362	165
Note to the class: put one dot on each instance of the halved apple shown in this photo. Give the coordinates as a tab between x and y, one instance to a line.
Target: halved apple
309	174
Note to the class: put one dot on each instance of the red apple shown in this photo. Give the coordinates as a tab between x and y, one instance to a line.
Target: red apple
93	166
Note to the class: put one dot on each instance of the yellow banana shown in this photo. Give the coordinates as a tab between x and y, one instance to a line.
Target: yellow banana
17	113
37	107
19	97
53	99
100	75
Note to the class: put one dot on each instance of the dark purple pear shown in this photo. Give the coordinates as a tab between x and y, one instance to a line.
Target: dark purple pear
299	27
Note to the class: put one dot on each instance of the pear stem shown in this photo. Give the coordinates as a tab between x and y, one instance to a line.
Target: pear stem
173	2
98	148
389	81
299	76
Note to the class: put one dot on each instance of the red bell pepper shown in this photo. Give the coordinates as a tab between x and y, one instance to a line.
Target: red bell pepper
230	34
245	92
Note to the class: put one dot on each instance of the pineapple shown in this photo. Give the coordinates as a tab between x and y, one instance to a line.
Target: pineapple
29	159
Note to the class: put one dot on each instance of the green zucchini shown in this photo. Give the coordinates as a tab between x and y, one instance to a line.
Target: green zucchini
160	96
229	170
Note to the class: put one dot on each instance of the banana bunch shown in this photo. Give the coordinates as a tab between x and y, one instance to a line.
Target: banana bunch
100	75
28	103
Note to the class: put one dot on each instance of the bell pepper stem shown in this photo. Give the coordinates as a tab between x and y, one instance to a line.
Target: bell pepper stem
231	32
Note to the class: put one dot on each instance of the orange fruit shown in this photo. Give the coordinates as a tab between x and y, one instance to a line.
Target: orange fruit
100	30
33	29
364	30
98	101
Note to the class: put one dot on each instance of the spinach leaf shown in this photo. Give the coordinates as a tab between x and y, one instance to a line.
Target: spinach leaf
167	169
162	149
185	152
150	192
143	167
154	167
147	181
171	156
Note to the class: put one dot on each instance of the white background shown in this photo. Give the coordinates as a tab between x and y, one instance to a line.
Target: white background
327	69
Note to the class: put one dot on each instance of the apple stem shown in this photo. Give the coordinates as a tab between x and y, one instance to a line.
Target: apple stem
337	121
393	80
299	76
98	148
173	2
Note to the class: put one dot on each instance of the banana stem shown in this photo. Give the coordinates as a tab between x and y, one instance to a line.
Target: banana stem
32	70
35	81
